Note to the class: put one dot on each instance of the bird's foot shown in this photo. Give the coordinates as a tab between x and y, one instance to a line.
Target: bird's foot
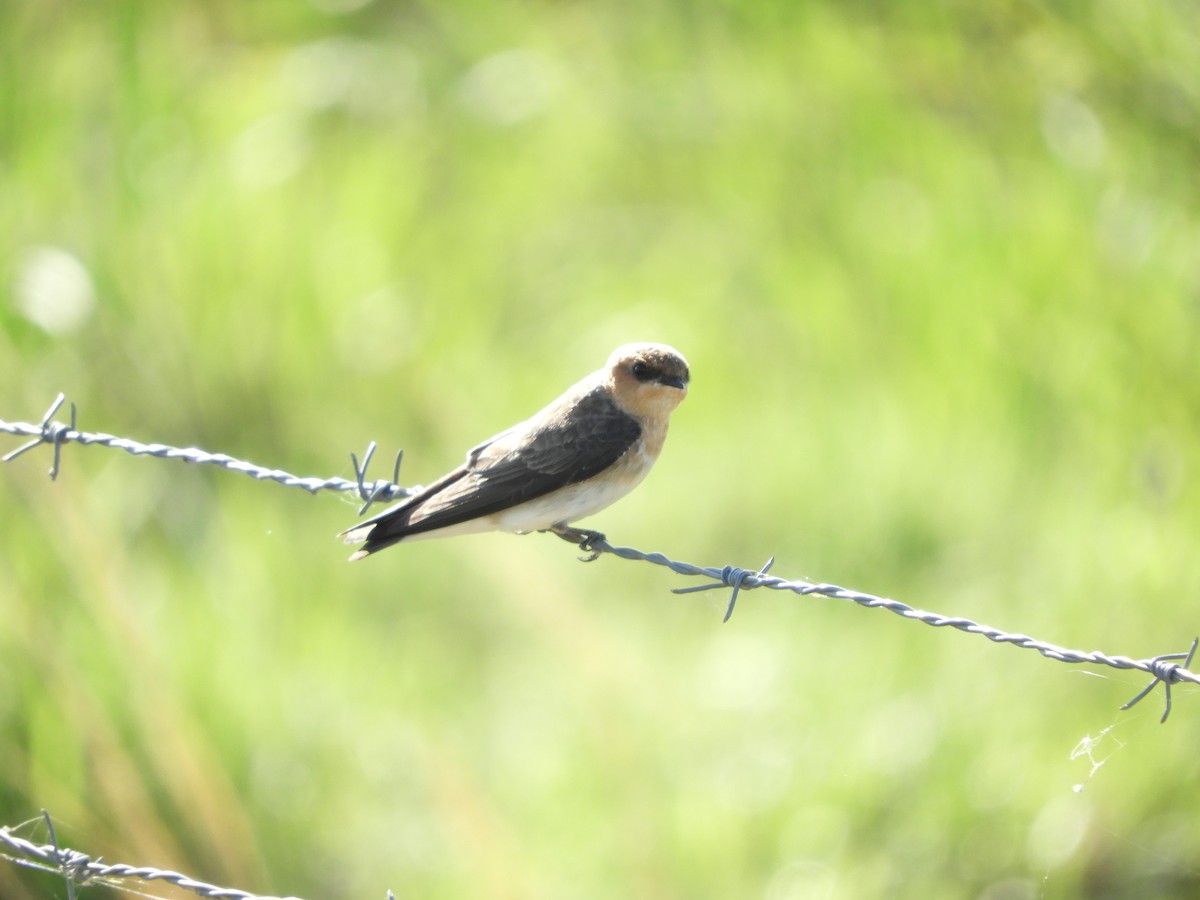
581	537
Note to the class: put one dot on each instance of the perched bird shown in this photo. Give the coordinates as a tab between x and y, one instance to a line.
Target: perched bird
584	451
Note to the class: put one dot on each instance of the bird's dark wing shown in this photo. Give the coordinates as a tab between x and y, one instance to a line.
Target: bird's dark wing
571	443
573	440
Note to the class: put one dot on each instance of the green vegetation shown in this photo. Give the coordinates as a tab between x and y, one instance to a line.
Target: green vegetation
937	272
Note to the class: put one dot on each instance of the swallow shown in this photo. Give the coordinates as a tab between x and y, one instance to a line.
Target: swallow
584	451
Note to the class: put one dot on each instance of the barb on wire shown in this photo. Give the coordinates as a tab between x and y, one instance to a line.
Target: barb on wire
1162	669
731	576
1164	672
48	432
370	493
738	579
79	869
67	861
57	433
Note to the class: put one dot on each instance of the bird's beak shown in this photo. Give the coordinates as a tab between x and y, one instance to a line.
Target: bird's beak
675	383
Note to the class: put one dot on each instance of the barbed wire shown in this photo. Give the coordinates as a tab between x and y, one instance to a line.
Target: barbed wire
1163	669
80	870
56	434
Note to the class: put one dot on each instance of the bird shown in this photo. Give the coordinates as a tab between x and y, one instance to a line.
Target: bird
573	458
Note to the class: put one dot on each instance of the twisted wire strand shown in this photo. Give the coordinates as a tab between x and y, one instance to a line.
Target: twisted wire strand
57	433
79	869
1163	669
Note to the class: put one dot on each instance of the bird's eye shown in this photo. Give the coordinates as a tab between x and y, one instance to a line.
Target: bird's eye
642	372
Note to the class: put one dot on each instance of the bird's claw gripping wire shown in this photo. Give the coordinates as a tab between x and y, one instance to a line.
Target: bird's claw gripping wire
52	433
1165	671
370	493
731	577
585	539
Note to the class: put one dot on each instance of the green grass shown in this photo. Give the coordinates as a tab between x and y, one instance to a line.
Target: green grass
935	271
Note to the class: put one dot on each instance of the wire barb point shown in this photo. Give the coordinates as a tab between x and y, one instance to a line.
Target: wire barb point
369	493
396	467
731	577
72	864
48	432
1168	673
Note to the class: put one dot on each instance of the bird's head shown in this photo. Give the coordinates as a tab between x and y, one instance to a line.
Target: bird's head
648	379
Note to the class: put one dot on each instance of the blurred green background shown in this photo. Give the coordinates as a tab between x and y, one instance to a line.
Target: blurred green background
936	268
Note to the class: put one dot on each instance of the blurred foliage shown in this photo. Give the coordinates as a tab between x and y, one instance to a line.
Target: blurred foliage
936	268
